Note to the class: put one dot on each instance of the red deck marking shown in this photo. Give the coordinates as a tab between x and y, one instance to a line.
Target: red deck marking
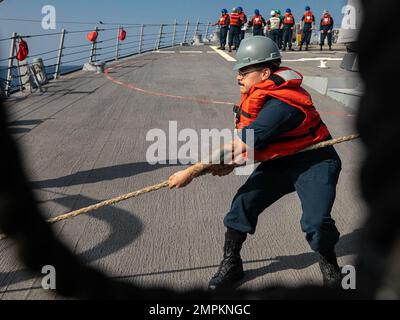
132	86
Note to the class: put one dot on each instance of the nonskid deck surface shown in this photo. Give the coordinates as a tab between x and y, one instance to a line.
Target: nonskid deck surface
84	140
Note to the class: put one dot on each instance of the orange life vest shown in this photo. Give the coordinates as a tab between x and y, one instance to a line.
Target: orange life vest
326	20
243	17
285	85
288	19
257	20
308	17
222	20
235	20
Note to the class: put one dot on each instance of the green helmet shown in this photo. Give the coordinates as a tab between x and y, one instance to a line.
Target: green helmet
254	50
278	11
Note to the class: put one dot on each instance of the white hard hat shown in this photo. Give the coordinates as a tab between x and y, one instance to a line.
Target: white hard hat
273	13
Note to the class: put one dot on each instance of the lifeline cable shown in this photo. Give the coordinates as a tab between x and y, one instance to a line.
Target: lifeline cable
164	184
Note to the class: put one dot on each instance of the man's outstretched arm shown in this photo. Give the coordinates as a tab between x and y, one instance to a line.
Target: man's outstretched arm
217	164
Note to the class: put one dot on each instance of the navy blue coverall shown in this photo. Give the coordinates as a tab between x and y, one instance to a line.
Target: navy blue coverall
223	32
313	175
288	34
326	33
234	36
307	31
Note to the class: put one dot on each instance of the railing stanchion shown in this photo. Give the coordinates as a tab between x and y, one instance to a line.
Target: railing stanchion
141	38
92	57
158	42
207	29
186	31
117	44
174	35
11	64
196	30
59	56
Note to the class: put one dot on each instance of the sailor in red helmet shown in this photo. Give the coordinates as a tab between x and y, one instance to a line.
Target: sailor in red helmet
282	116
326	28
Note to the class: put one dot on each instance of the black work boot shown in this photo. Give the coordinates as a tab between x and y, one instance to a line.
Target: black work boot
230	49
301	47
320	48
231	268
223	48
331	274
306	47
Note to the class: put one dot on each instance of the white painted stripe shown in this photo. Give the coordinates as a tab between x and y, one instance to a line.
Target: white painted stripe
211	52
313	59
223	54
165	51
190	51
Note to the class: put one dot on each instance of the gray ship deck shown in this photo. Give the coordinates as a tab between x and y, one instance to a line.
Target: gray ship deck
83	140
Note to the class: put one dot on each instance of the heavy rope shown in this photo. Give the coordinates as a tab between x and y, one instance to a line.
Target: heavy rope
164	184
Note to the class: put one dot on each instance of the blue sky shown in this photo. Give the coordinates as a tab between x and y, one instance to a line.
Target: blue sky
131	11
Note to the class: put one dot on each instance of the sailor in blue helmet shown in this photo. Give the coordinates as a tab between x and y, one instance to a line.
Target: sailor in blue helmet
223	24
243	18
258	23
288	27
307	24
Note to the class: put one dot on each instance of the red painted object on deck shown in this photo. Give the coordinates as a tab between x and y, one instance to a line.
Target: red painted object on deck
23	50
92	36
122	34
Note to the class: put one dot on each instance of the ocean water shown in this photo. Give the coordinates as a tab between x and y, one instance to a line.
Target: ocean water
49	71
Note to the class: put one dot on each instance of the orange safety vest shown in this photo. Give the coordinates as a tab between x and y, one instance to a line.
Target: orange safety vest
288	19
285	85
308	17
257	20
242	17
222	20
235	20
326	20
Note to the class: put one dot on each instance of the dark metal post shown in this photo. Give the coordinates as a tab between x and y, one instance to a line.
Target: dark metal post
11	63
59	56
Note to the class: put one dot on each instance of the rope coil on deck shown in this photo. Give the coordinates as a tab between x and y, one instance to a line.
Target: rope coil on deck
164	184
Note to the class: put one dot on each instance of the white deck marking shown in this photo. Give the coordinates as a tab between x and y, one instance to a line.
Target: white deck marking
223	54
190	51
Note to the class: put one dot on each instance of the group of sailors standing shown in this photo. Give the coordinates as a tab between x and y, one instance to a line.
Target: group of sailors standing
278	27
